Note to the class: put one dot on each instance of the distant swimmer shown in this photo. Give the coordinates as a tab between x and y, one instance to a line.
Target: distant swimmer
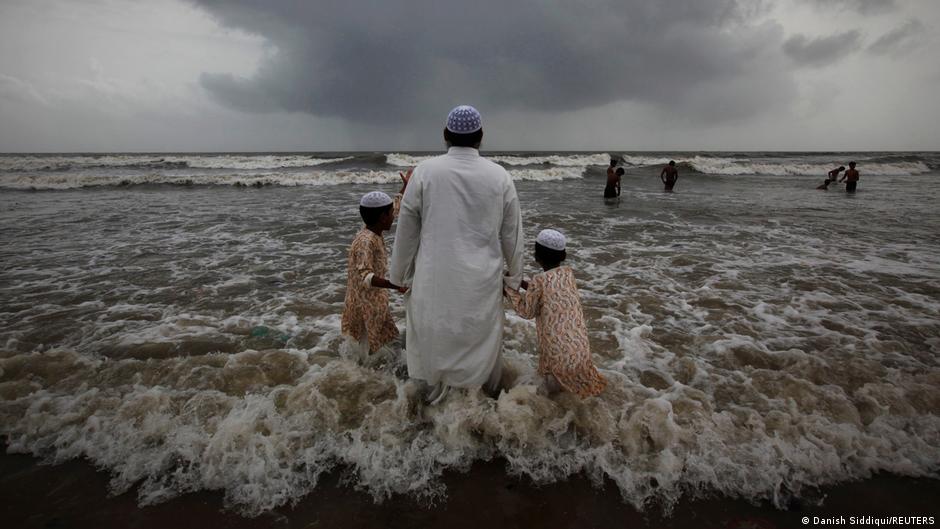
850	178
669	176
831	177
612	189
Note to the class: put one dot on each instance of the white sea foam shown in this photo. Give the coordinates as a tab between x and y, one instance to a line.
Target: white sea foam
770	167
544	175
750	352
738	167
72	180
573	160
405	160
643	161
263	426
258	162
233	161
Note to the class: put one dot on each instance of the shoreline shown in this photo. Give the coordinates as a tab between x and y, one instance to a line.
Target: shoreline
75	494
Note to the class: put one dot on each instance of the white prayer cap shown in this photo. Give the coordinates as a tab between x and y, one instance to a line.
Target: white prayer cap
375	199
551	239
464	119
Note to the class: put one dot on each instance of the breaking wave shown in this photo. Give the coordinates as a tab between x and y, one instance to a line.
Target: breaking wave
263	426
574	160
770	167
53	181
560	160
35	163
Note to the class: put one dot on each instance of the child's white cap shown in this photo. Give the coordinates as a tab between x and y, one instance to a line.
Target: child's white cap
375	199
551	239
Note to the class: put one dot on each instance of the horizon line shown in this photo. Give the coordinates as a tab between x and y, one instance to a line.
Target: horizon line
383	151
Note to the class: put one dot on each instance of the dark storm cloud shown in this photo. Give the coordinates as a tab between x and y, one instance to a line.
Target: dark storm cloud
383	62
899	40
821	51
865	7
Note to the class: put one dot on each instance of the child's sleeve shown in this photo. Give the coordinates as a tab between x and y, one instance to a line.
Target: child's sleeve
361	257
529	303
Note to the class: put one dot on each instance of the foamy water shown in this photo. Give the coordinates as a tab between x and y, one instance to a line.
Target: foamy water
760	338
72	171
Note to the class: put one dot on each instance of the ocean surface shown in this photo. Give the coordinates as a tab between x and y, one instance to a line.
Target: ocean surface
175	320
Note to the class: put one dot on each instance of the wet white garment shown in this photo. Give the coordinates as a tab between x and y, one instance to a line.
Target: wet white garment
459	222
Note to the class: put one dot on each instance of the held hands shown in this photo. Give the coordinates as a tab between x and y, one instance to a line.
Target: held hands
393	286
507	292
381	282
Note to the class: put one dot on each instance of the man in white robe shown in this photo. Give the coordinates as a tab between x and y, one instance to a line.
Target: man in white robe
459	222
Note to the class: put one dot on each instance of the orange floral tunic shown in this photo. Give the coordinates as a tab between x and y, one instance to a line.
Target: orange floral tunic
564	351
365	312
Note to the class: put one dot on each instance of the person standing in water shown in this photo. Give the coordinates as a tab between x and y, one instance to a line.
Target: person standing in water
669	175
552	299
612	189
458	243
850	178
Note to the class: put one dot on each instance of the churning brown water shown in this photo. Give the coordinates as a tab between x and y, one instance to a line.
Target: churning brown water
760	337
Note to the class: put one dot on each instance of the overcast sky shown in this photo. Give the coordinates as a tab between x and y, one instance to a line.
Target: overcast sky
260	75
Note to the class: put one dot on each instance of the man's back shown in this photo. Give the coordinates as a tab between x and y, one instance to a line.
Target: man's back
669	174
461	192
459	218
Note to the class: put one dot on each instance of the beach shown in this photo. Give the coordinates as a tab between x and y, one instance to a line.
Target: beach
173	321
75	495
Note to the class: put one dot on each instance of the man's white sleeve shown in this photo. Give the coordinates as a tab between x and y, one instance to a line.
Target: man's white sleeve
510	237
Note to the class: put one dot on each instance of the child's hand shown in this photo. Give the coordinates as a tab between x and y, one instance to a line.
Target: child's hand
405	178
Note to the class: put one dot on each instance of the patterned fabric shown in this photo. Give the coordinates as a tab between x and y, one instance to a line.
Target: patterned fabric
464	119
365	312
552	299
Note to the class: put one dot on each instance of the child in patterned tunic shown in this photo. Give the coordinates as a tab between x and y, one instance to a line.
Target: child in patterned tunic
366	315
552	299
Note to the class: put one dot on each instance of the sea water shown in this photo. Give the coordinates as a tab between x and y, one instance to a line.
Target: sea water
175	320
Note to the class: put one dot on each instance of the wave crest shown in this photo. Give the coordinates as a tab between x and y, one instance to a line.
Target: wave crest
61	181
264	426
745	166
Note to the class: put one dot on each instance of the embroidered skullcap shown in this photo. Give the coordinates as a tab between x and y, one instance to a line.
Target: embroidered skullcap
464	119
551	239
375	199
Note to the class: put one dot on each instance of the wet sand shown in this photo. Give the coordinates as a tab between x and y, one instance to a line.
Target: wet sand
74	494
